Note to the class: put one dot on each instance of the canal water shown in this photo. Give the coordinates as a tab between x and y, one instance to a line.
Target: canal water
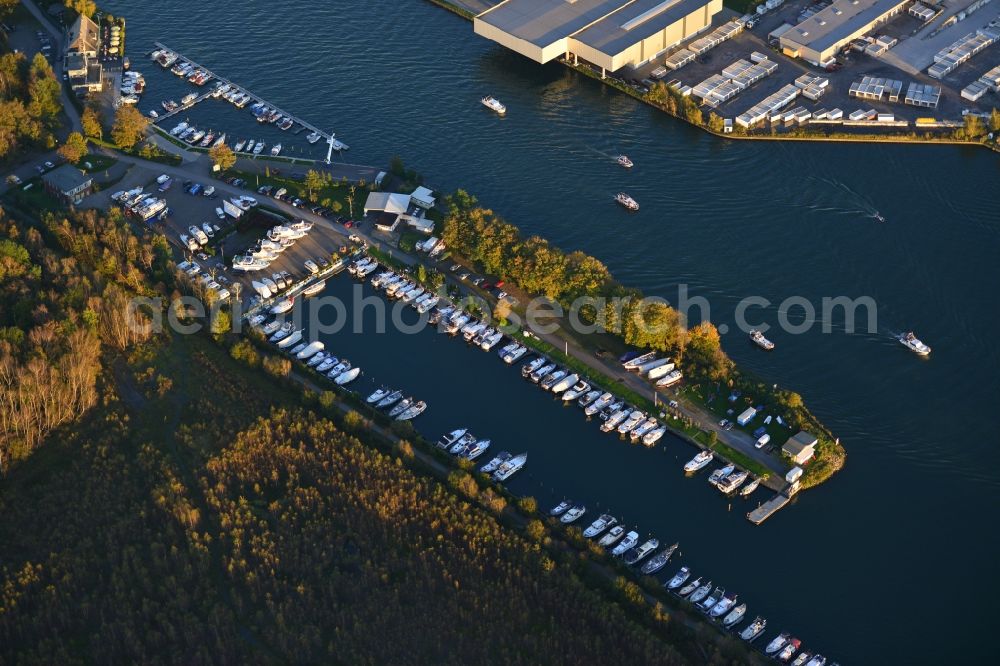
892	561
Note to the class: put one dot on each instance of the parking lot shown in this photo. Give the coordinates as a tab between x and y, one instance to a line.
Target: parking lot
229	238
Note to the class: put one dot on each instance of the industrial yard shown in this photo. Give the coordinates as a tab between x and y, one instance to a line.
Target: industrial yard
846	65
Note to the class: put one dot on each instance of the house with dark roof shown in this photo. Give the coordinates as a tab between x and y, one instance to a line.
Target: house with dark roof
68	184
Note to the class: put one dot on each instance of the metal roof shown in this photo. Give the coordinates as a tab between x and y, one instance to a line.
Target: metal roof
838	21
543	22
634	22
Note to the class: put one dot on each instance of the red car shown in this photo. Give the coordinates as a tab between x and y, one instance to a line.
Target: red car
348	224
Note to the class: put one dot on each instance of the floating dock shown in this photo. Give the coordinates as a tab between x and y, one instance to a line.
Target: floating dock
256	99
768	508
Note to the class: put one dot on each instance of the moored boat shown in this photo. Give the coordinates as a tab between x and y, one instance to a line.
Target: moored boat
507	469
625	544
347	376
690	587
659	560
602	523
446	441
735	616
754	629
746	490
573	513
561	508
790	648
414	411
612	536
495	462
638	553
678	579
700	593
718	475
777	643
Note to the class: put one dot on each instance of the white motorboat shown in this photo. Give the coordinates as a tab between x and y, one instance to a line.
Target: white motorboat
616	418
588	397
626	201
638	432
913	343
703	458
624	161
630	422
779	641
748	489
639	553
282	332
541	372
491	340
271	285
678	579
700	593
317	358
604	522
312	349
690	587
513	356
818	660
313	137
758	339
390	399
669	379
573	513
381	393
612	536
531	366
600	403
297	348
507	469
415	410
327	364
654	435
802	658
284	305
261	288
718	475
270	328
493	104
311	266
495	462
735	616
276	149
259	148
561	508
552	379
339	369
732	482
476	450
565	383
722	606
429	303
575	391
754	629
625	544
347	377
292	338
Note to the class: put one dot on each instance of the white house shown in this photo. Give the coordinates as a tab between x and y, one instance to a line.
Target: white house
423	197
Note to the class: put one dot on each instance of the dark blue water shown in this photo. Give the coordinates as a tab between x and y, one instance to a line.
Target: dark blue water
890	562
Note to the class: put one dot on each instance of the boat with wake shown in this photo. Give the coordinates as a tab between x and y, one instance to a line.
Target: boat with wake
626	201
493	104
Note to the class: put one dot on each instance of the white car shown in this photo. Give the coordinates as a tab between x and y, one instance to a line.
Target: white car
219	213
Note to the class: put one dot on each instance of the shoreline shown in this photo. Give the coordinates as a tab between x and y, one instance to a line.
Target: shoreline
466	14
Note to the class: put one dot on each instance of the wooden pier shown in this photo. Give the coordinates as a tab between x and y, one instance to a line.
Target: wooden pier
768	508
256	99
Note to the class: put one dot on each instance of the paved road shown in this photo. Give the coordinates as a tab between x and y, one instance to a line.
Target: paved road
57	65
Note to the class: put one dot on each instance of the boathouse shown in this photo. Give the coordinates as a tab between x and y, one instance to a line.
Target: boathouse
609	34
800	447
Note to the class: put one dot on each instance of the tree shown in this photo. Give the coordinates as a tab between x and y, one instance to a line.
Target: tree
7	7
75	148
703	353
85	7
223	156
995	120
396	166
972	129
314	182
92	122
129	127
652	324
44	102
715	122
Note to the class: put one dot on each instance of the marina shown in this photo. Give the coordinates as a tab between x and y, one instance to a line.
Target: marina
248	97
569	142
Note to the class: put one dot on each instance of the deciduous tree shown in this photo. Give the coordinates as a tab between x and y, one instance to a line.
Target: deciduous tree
75	148
129	127
222	156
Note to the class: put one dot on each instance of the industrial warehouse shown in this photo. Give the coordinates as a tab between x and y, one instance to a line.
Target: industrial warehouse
818	38
609	34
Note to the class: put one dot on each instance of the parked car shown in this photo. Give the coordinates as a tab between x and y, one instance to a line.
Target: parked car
13	179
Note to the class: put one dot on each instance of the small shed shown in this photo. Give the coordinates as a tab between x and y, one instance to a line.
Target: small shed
747	416
794	474
800	447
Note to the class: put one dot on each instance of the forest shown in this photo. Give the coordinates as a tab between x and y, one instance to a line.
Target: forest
30	103
163	501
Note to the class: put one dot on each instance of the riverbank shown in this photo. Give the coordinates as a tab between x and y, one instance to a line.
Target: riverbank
683	108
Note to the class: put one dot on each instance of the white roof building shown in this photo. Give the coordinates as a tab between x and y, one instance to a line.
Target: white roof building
386	202
423	197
